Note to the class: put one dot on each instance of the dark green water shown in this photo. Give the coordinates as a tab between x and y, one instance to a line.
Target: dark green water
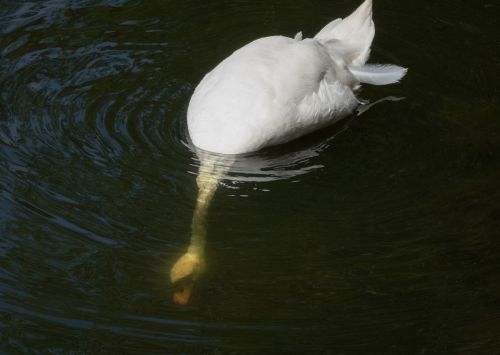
378	236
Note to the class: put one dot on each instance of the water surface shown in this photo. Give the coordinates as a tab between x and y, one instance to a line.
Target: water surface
378	235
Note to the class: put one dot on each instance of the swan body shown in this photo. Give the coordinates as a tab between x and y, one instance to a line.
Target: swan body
269	92
276	89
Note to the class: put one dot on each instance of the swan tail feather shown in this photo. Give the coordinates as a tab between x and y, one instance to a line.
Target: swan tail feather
355	34
378	74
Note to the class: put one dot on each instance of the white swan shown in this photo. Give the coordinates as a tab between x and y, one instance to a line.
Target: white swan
271	91
277	88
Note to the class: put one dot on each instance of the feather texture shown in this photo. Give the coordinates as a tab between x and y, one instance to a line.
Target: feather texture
378	74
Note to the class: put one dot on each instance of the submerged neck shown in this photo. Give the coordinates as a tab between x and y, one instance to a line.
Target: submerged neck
212	170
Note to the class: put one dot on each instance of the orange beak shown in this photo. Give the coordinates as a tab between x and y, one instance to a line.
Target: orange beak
182	296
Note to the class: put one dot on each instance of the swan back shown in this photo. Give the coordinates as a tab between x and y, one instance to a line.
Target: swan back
269	92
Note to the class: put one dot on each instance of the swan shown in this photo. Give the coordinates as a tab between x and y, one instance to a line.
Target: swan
271	91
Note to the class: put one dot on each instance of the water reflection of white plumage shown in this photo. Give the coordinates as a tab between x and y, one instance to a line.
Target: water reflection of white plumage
269	92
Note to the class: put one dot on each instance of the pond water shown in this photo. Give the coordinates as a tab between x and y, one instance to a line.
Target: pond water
379	235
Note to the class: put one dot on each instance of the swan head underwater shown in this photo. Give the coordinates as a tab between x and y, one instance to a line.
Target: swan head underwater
269	92
185	271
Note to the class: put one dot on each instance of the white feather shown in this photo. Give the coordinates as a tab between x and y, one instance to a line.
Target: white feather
355	34
378	74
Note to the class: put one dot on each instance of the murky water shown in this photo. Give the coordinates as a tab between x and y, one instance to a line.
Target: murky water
379	235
